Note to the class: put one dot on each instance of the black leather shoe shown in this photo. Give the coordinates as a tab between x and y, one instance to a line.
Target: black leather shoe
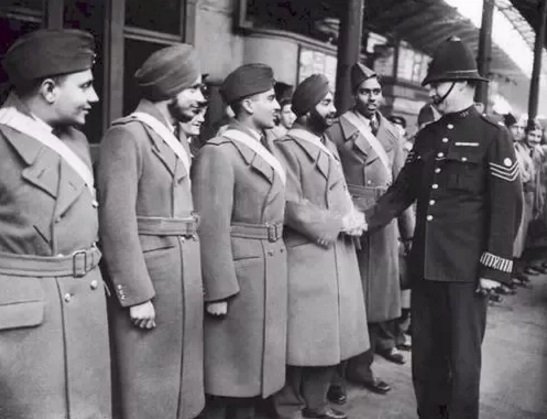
519	276
504	290
327	414
337	395
531	270
376	386
393	355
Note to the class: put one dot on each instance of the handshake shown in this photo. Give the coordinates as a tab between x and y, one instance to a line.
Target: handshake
354	223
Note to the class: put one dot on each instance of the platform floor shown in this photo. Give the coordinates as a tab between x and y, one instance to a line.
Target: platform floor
514	374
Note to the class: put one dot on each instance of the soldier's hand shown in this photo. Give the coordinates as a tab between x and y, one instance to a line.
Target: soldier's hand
143	315
217	309
354	223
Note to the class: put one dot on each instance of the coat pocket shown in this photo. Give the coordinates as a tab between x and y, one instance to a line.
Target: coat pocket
465	171
22	302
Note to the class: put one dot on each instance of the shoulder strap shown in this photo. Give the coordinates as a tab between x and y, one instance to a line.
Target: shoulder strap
307	136
245	139
11	117
372	140
167	136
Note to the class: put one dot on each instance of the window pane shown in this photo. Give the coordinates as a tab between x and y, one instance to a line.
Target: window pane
136	52
29	4
10	30
158	16
89	15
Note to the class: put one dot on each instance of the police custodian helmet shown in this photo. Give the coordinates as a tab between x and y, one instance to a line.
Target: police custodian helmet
453	61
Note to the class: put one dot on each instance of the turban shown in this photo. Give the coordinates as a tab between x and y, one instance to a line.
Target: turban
247	80
167	72
49	52
309	93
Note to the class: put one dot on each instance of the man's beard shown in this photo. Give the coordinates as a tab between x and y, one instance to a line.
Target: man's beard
181	114
319	122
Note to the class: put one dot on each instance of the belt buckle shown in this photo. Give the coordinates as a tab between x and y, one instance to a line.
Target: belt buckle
79	263
273	233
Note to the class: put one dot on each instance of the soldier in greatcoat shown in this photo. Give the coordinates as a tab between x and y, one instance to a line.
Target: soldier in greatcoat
463	174
54	353
372	155
327	318
239	191
149	236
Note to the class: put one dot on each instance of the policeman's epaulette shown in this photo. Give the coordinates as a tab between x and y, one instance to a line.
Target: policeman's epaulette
218	140
123	120
493	121
392	130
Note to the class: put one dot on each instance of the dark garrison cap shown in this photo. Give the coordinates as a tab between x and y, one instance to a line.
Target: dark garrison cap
168	71
309	93
360	73
453	61
49	52
247	80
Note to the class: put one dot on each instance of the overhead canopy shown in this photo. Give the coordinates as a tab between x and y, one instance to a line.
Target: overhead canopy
421	23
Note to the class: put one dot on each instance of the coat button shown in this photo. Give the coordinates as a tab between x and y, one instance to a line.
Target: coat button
270	253
445	140
464	158
450	126
119	287
58	219
95	203
432	202
94	284
438	170
67	297
435	186
440	154
429	218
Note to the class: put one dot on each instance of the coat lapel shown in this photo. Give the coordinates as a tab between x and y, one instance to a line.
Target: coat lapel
254	160
160	149
315	155
386	135
352	133
41	170
70	188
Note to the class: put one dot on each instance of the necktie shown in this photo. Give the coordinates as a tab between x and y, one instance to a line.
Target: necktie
374	125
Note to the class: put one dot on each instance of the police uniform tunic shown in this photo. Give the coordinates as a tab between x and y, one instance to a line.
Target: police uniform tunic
464	176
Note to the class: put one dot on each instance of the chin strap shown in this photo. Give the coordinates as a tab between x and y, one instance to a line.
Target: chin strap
442	99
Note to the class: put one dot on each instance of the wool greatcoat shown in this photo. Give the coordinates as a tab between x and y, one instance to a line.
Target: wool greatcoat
160	370
326	304
245	350
54	356
367	180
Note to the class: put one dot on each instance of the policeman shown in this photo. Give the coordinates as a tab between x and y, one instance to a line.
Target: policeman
464	176
148	232
54	352
239	190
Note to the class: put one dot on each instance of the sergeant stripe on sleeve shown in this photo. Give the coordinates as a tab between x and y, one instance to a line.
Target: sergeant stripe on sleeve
502	172
496	262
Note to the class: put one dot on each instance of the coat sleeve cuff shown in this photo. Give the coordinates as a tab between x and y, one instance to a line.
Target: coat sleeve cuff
496	267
